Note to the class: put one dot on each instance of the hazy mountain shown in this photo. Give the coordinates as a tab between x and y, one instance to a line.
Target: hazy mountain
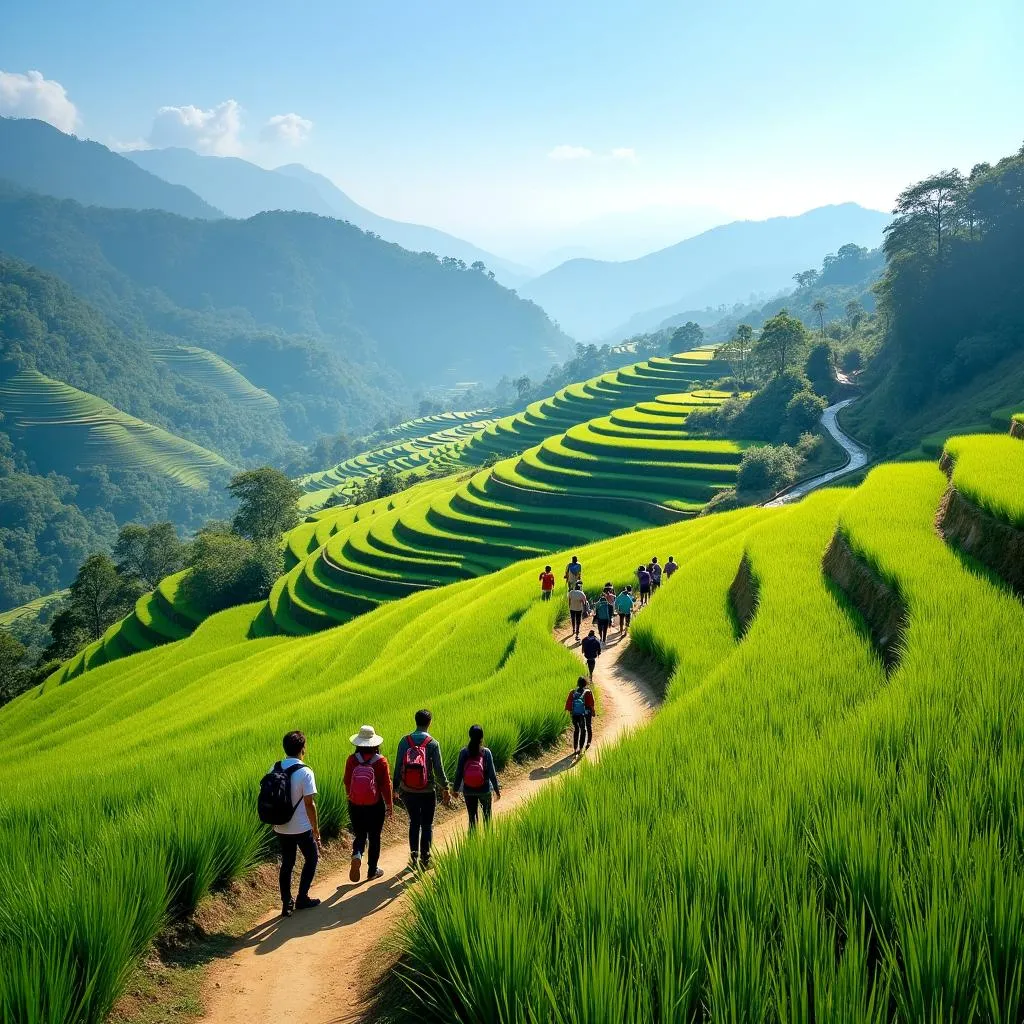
38	156
242	189
591	298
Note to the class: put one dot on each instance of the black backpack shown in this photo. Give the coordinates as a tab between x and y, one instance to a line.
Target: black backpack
274	805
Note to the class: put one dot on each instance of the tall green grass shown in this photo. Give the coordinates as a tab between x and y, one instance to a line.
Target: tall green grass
988	469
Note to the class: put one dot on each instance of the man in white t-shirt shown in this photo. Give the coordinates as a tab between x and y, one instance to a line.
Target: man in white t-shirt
302	831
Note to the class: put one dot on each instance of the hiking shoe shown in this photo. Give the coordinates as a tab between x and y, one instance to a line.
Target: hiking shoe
414	862
305	903
375	873
287	909
353	871
425	864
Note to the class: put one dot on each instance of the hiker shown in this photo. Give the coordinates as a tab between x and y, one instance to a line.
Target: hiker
370	799
655	570
578	607
419	773
476	778
573	572
591	650
287	802
624	606
604	610
580	704
643	579
670	567
547	583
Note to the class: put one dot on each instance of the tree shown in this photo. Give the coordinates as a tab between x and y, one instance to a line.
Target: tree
685	337
228	570
819	367
388	482
933	202
819	308
14	678
100	595
148	553
805	278
854	313
737	352
268	503
523	386
781	344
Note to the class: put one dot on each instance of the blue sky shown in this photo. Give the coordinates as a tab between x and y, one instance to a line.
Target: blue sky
542	124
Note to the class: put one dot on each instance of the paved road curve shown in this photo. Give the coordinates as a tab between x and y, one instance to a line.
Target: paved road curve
856	458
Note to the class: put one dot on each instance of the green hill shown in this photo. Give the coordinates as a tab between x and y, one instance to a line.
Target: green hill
828	824
206	367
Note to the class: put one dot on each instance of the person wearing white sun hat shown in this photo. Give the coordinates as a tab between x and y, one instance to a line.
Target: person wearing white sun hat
370	800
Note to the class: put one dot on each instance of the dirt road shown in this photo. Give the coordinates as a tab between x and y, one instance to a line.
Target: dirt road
307	967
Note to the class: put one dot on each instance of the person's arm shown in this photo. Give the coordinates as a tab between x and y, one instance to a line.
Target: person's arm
438	763
568	703
588	700
349	765
314	822
492	775
460	768
398	766
384	785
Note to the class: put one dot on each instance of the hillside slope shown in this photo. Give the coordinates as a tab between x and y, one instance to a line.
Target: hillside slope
37	156
242	189
589	298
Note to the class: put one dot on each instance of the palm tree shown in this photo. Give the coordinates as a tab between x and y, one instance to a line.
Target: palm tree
819	307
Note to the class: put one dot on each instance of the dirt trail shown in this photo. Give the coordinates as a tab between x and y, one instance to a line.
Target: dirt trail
307	967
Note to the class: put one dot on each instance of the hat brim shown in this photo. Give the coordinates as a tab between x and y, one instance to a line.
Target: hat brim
366	741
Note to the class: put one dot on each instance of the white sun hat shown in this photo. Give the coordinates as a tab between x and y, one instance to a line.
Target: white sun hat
366	737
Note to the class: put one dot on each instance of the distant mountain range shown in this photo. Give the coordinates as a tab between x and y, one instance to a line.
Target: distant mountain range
593	299
38	156
242	189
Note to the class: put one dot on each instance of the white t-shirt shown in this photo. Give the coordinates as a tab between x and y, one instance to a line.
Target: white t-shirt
303	785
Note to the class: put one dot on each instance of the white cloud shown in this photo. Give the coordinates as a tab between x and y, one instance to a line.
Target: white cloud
213	131
623	153
565	152
31	95
290	129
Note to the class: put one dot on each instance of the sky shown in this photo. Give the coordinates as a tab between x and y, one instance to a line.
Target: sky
543	126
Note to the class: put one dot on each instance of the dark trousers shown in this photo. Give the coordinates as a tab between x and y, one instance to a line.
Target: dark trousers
421	807
475	802
366	824
545	595
602	628
576	618
582	729
623	621
591	662
310	855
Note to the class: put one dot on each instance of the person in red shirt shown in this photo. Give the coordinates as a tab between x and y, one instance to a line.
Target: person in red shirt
547	583
580	704
370	799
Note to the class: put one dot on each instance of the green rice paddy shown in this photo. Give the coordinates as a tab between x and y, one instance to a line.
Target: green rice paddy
205	367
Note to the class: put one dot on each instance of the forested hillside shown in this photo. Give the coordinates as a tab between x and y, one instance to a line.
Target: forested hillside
36	155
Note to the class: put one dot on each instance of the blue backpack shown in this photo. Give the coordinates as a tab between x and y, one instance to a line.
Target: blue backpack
579	703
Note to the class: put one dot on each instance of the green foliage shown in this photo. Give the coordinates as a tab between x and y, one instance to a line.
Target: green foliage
227	570
685	337
781	344
14	677
803	411
267	503
99	595
738	352
767	468
820	369
148	553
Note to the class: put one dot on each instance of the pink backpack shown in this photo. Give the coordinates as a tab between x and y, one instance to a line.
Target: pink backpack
362	790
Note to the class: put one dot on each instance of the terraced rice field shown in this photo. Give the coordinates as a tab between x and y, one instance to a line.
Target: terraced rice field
800	835
205	367
615	474
79	429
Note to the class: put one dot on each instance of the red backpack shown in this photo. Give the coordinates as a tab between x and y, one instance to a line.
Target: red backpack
415	772
473	774
362	790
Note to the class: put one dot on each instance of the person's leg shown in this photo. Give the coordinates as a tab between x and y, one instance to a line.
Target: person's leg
577	733
589	723
375	825
427	826
485	804
288	847
472	803
415	809
357	823
310	858
591	662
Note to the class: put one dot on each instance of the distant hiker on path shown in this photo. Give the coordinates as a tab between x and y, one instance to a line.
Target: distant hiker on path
419	772
580	704
573	572
547	583
670	567
655	570
643	579
368	785
578	607
287	802
591	650
624	606
604	610
476	778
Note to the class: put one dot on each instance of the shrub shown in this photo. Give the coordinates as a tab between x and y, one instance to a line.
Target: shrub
227	570
819	368
803	411
763	418
767	468
852	360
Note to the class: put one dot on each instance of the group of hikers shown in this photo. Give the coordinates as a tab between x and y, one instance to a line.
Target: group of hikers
288	800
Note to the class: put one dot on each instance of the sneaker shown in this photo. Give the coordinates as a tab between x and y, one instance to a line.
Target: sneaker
375	873
353	871
306	902
287	909
414	862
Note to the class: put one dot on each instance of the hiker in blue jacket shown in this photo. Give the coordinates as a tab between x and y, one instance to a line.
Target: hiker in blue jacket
419	774
476	778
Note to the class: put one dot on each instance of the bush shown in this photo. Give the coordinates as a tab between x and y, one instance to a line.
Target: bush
803	411
763	418
819	368
852	360
227	570
767	468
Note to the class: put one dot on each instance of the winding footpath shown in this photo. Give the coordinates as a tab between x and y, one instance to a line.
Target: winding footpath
314	967
856	458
